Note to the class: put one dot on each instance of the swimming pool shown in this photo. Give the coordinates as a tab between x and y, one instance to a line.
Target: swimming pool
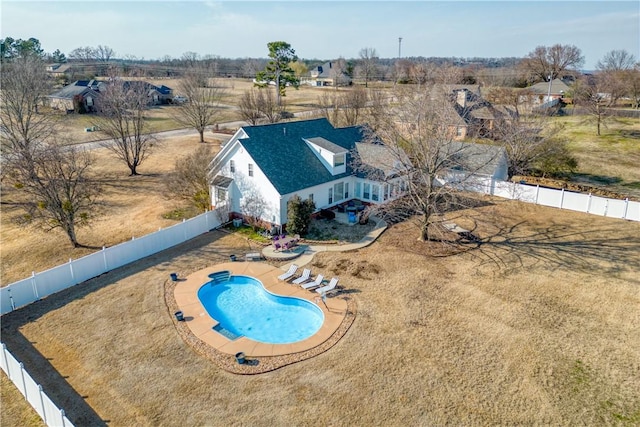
244	307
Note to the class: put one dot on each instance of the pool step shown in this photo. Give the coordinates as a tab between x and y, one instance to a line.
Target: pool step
220	276
225	332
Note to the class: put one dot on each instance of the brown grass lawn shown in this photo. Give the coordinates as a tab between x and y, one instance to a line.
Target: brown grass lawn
539	325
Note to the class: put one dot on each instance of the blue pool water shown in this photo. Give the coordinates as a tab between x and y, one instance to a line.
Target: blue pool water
244	307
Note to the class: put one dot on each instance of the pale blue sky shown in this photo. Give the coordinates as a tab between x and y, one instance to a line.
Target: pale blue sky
327	29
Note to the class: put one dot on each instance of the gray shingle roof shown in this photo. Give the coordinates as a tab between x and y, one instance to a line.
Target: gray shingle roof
280	151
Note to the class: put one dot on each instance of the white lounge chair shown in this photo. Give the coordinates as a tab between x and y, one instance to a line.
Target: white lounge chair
315	283
290	272
331	286
306	274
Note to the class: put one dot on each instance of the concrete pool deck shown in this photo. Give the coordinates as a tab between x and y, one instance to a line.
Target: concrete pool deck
200	323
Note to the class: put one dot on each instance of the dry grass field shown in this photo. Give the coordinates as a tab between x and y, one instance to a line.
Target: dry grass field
538	325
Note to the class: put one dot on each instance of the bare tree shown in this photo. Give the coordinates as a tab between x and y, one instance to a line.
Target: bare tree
202	107
121	114
590	92
533	146
25	86
617	74
58	190
189	180
420	141
248	107
547	63
368	64
338	72
353	103
329	108
616	60
103	53
257	105
83	53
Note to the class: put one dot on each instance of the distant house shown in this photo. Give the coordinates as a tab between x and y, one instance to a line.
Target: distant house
327	75
81	94
543	94
264	166
472	115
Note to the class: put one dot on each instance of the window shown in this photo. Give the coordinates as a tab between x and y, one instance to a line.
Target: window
338	160
386	191
89	101
338	191
311	197
375	190
358	189
232	166
460	131
346	190
250	169
367	191
330	195
221	195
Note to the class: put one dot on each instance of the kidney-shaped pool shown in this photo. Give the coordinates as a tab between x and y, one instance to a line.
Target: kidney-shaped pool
243	307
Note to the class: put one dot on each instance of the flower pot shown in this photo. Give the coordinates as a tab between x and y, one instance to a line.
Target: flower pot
232	258
174	277
240	358
179	316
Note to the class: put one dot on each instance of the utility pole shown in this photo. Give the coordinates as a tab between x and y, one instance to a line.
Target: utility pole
399	47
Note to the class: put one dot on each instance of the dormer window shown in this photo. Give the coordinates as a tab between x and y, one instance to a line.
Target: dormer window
338	160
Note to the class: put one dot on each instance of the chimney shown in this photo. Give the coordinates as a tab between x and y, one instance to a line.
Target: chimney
462	98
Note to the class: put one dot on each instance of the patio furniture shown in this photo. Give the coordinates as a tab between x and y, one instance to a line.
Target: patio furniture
314	284
289	273
331	286
277	246
306	275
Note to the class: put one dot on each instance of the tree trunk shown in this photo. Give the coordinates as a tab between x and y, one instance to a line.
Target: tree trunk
201	131
424	230
71	233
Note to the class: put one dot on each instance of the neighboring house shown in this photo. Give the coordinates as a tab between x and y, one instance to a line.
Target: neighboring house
543	94
57	70
262	167
85	92
327	75
472	115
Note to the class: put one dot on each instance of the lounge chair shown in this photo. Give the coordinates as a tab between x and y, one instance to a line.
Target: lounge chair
306	274
314	284
331	286
290	272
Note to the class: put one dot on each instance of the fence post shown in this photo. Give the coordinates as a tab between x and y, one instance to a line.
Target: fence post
24	383
62	415
561	198
73	276
626	208
13	304
184	229
5	361
34	285
104	257
537	193
606	207
589	203
44	413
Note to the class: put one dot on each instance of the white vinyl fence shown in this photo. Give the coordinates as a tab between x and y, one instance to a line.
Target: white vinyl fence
563	199
32	391
40	285
45	283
